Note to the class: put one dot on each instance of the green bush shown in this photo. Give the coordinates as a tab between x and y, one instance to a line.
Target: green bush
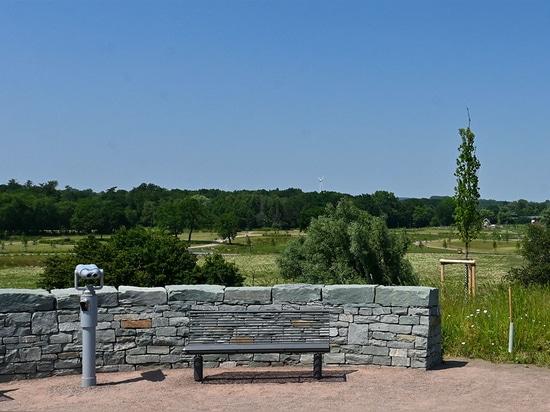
347	245
535	248
216	271
138	257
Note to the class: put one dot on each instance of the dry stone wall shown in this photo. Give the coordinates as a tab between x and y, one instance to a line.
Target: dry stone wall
142	328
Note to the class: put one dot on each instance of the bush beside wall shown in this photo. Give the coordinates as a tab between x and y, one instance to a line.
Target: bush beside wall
143	328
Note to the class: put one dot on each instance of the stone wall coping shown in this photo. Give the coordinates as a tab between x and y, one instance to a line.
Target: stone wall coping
407	296
69	298
134	295
25	300
196	293
349	294
21	300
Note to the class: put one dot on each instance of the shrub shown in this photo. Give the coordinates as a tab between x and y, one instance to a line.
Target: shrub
216	271
535	248
347	245
139	257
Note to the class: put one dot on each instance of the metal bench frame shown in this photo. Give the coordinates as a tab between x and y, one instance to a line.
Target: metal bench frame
229	332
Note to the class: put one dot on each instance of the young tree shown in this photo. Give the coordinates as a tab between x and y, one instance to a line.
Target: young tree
170	216
227	226
466	214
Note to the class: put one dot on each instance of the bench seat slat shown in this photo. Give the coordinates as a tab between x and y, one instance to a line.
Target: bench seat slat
229	348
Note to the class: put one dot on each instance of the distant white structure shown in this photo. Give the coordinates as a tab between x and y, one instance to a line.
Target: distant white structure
321	188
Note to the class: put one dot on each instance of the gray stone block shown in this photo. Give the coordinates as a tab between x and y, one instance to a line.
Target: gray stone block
140	359
107	297
132	295
44	323
334	358
409	320
357	359
296	293
421	330
17	319
105	336
348	294
30	354
25	368
195	293
61	338
358	334
399	361
67	363
407	296
25	300
166	331
51	349
248	295
381	360
385	336
389	318
375	350
401	329
266	357
159	350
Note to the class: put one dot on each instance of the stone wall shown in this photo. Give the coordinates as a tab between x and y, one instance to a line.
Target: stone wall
142	328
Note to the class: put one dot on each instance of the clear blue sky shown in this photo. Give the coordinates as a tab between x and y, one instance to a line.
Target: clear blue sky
260	94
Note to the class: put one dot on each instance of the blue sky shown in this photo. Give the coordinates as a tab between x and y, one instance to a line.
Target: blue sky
262	94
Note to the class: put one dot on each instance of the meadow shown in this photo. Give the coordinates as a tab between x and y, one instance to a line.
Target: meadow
473	326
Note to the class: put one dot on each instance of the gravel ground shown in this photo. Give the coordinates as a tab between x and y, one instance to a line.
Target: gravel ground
457	385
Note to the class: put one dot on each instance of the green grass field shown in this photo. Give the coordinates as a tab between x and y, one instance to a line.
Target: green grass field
472	326
255	257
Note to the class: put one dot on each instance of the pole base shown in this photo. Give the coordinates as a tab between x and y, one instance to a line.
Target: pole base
86	382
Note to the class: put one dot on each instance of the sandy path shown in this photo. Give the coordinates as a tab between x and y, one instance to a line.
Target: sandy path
459	385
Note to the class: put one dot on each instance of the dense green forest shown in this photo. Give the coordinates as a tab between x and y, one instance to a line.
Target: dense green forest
38	209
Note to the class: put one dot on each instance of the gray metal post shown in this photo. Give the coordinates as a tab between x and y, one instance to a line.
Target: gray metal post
88	320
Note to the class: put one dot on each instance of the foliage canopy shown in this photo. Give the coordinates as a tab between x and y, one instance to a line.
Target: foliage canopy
535	248
466	214
347	245
139	257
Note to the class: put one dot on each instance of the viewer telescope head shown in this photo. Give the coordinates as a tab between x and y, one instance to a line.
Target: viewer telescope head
88	272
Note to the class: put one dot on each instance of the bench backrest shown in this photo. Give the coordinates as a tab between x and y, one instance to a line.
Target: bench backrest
249	327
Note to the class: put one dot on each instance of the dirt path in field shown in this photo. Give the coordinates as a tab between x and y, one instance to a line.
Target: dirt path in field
218	242
458	385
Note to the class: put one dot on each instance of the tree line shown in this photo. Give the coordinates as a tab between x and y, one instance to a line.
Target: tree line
37	209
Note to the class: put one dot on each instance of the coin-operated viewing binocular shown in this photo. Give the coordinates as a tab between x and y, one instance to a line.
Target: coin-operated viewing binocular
90	273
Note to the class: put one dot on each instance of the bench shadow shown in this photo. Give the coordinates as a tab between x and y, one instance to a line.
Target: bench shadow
251	377
151	376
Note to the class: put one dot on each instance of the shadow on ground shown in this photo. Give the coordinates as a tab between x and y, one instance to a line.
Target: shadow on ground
451	364
274	377
151	376
4	397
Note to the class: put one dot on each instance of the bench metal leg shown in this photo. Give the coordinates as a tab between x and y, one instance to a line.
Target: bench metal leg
318	366
197	368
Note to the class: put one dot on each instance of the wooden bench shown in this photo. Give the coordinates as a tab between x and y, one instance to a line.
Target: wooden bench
230	332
